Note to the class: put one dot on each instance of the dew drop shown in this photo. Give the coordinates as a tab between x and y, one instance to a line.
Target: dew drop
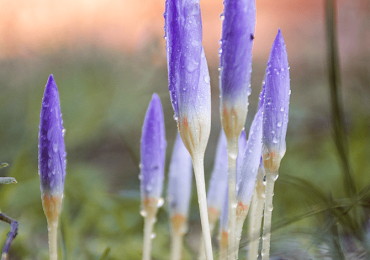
160	202
275	140
55	147
153	235
282	109
279	124
222	16
143	213
206	79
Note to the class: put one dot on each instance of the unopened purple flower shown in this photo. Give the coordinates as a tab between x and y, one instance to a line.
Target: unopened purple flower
236	63
179	180
52	154
188	76
276	102
153	149
241	148
251	161
218	183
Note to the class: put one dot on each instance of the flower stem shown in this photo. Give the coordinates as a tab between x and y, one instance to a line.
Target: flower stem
241	215
178	227
198	160
148	230
176	246
232	151
52	233
224	245
150	209
271	176
255	220
213	216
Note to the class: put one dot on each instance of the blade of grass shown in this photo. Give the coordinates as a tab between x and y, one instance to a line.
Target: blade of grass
105	254
340	137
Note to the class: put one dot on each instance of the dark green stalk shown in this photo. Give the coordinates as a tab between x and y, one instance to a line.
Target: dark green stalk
340	137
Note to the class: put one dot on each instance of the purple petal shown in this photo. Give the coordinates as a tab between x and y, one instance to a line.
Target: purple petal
251	160
52	154
276	104
179	179
219	179
153	149
241	148
183	33
236	51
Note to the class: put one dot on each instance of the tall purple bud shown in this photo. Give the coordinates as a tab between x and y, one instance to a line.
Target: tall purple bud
275	122
236	63
190	92
188	77
179	184
242	144
276	104
52	153
52	161
153	150
218	183
251	162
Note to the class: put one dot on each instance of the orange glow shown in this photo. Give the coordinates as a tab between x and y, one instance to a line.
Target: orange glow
52	206
39	26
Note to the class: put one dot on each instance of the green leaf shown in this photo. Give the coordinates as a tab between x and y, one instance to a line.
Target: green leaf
105	254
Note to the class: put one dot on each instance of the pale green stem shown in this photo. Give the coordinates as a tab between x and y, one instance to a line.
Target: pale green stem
176	245
232	151
198	161
149	221
223	244
53	232
241	215
212	219
271	176
255	220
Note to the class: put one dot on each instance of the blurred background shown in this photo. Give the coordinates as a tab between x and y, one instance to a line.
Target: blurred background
107	58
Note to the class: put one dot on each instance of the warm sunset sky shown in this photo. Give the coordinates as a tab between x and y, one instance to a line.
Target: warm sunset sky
29	27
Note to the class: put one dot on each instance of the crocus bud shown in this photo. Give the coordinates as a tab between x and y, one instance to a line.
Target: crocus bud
218	183
242	143
52	154
153	149
179	182
251	161
188	76
276	104
236	63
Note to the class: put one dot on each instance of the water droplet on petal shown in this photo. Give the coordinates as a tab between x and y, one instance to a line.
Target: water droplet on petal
160	202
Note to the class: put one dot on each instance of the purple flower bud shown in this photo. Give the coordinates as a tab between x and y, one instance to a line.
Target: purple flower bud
188	76
236	63
251	161
219	179
241	148
153	149
276	103
179	180
52	154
